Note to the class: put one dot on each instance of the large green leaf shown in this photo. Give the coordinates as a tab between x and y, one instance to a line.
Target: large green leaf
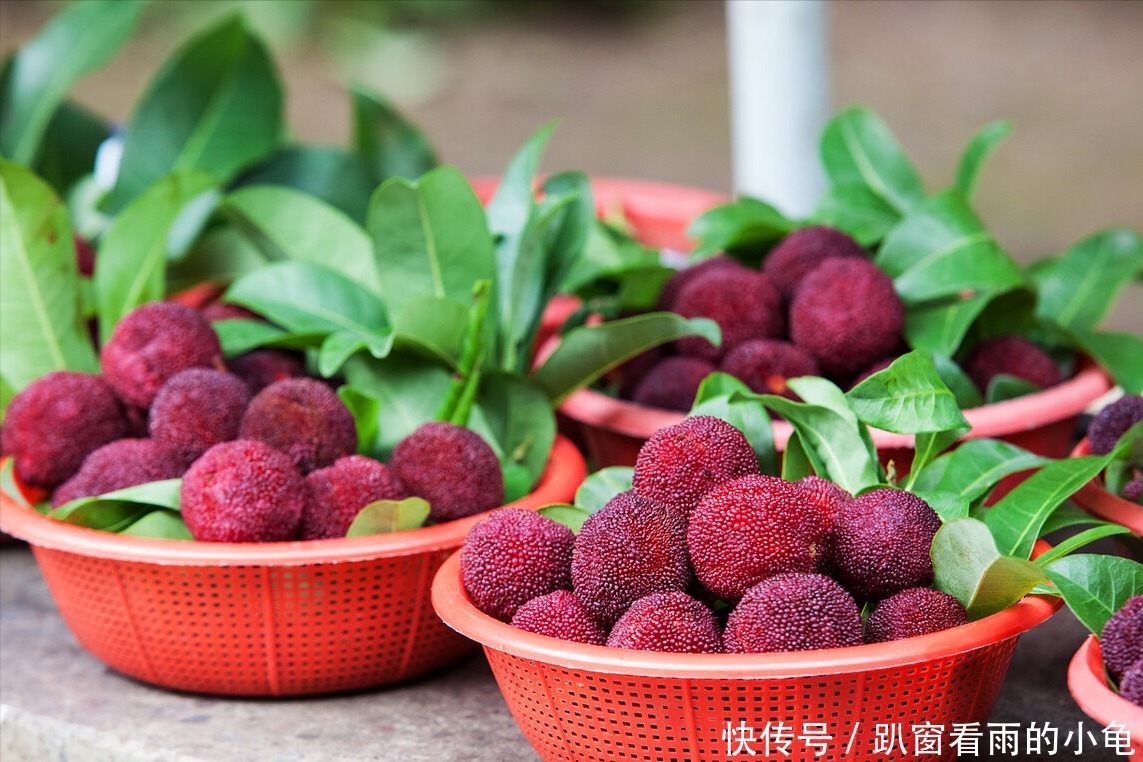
858	149
429	238
724	396
746	225
974	468
1078	289
1017	519
983	143
857	210
70	144
159	524
941	249
1119	353
908	397
601	486
407	392
41	325
434	326
288	224
968	566
215	106
520	420
76	42
940	327
222	254
1096	586
130	268
115	511
390	144
306	298
339	178
586	353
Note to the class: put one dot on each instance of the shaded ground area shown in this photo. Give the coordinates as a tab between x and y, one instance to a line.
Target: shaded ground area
644	93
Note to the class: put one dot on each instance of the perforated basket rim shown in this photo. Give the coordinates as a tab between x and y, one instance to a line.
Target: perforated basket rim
565	470
1025	413
454	607
1101	503
1088	686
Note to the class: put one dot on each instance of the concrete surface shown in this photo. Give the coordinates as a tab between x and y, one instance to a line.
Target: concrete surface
57	702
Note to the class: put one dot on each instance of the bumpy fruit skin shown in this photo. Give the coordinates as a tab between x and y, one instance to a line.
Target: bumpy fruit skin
261	367
911	612
197	409
673	286
672	383
337	493
1131	684
1133	490
243	491
303	418
682	462
151	344
118	465
847	315
1122	638
451	467
670	621
1110	423
560	614
1013	356
766	364
744	531
57	421
824	495
880	543
793	612
800	252
630	548
744	303
512	556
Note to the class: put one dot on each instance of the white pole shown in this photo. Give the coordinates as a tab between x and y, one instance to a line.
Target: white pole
778	99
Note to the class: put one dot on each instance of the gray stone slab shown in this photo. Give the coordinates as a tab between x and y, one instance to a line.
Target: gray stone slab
57	702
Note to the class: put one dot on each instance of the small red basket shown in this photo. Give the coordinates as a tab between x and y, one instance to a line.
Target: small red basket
577	702
261	619
1087	682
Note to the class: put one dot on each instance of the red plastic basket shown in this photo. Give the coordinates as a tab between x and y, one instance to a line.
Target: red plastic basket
577	702
1087	682
261	619
1097	501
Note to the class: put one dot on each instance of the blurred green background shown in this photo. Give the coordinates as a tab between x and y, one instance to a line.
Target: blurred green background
640	87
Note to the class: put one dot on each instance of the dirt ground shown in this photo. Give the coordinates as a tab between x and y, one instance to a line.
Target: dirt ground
644	93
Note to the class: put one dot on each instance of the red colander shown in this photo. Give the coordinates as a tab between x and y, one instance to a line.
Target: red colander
577	702
261	619
1087	682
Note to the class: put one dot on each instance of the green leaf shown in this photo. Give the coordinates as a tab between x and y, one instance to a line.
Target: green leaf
723	396
832	443
609	254
240	336
130	267
1120	354
983	143
366	412
858	149
1066	516
221	254
908	397
974	468
570	516
383	516
432	326
958	382
429	239
41	324
339	347
744	226
76	42
407	391
948	505
70	143
940	327
307	298
928	445
602	485
1077	541
520	420
391	145
858	211
942	249
160	525
796	462
1005	387
586	353
1096	586
1016	520
337	177
825	393
117	510
288	224
968	566
215	106
1078	289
